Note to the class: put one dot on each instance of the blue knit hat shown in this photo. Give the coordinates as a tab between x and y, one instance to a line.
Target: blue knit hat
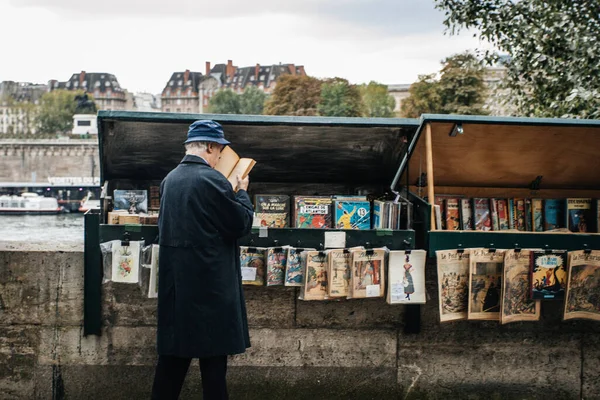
205	130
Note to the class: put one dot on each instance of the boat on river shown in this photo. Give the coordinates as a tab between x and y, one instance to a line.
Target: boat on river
29	203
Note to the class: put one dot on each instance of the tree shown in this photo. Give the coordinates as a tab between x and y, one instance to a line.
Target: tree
225	101
294	95
424	98
459	90
553	47
252	101
340	99
377	101
461	86
56	111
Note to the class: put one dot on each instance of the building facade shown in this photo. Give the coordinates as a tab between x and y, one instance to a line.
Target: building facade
188	92
107	92
18	101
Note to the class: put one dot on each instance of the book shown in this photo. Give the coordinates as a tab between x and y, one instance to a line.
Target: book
466	215
272	210
315	277
520	214
406	277
553	214
511	214
494	215
516	305
352	214
133	201
368	273
452	214
126	262
232	166
503	215
582	300
528	216
378	208
294	270
485	284
481	209
537	208
453	284
548	272
579	215
276	263
252	264
153	284
437	211
312	212
339	265
154	198
441	202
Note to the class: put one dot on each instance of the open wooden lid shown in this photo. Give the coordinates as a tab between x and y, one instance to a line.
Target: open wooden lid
146	146
506	152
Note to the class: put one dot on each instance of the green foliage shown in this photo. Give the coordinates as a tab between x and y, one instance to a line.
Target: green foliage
340	99
56	110
554	49
252	101
294	95
460	89
225	101
377	101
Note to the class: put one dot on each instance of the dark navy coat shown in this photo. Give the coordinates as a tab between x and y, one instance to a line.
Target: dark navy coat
201	308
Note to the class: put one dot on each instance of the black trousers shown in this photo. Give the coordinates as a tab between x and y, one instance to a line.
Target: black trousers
171	372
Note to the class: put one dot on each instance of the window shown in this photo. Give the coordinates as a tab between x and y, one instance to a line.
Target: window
179	110
171	83
178	102
252	78
262	78
107	84
97	84
84	123
168	93
180	83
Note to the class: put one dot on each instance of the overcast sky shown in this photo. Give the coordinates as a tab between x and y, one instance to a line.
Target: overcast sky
143	41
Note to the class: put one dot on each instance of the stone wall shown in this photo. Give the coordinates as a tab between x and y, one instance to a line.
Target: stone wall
36	160
301	350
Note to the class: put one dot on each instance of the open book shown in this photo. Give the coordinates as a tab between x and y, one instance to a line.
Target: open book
231	165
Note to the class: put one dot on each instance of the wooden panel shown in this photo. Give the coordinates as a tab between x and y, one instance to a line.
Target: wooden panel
492	155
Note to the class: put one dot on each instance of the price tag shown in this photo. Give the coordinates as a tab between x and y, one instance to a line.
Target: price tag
372	290
335	240
248	274
397	292
263	231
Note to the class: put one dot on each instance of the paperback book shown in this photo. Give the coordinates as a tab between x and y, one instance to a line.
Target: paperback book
516	304
466	215
406	277
495	217
485	284
294	269
579	215
126	262
553	214
252	262
315	278
312	212
352	214
483	221
537	209
232	166
503	215
272	210
548	271
276	263
339	272
582	300
133	201
452	214
453	284
368	275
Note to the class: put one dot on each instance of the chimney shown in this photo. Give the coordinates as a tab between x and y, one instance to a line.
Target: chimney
207	72
292	69
229	71
186	76
81	78
256	71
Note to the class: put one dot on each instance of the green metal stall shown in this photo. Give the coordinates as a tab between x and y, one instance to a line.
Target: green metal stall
295	156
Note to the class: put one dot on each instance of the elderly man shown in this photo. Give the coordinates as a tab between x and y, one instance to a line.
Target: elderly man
201	309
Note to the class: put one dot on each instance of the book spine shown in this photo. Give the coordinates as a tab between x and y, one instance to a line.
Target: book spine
495	221
528	216
511	214
537	215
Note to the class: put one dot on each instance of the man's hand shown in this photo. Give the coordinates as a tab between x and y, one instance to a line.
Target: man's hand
242	184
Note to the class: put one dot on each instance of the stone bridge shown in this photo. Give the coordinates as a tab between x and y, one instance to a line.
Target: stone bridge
37	160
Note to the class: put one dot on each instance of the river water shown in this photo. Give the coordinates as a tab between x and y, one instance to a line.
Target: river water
62	228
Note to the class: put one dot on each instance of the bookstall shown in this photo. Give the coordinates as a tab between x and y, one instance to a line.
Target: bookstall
538	179
310	156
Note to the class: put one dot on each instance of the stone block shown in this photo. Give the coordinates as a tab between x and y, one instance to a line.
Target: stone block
270	307
18	345
590	385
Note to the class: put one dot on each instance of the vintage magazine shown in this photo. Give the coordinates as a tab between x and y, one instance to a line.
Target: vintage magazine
339	267
579	215
483	220
516	305
126	262
466	215
452	214
272	210
276	263
583	290
153	285
352	214
406	277
252	263
485	284
548	273
315	278
312	212
503	214
368	273
537	209
294	269
133	201
453	284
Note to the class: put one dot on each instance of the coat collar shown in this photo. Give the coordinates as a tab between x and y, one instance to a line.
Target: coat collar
190	158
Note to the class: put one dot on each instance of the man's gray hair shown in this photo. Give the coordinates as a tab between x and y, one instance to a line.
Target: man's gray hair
195	147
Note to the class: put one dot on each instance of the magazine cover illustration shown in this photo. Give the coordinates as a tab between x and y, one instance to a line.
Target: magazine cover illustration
485	284
453	284
315	278
583	290
312	212
352	214
134	201
548	275
276	262
252	262
516	305
368	273
406	283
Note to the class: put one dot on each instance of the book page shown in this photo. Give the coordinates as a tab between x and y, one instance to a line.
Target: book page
227	162
242	168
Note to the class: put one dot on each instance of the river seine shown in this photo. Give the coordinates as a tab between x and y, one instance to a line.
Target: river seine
65	228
